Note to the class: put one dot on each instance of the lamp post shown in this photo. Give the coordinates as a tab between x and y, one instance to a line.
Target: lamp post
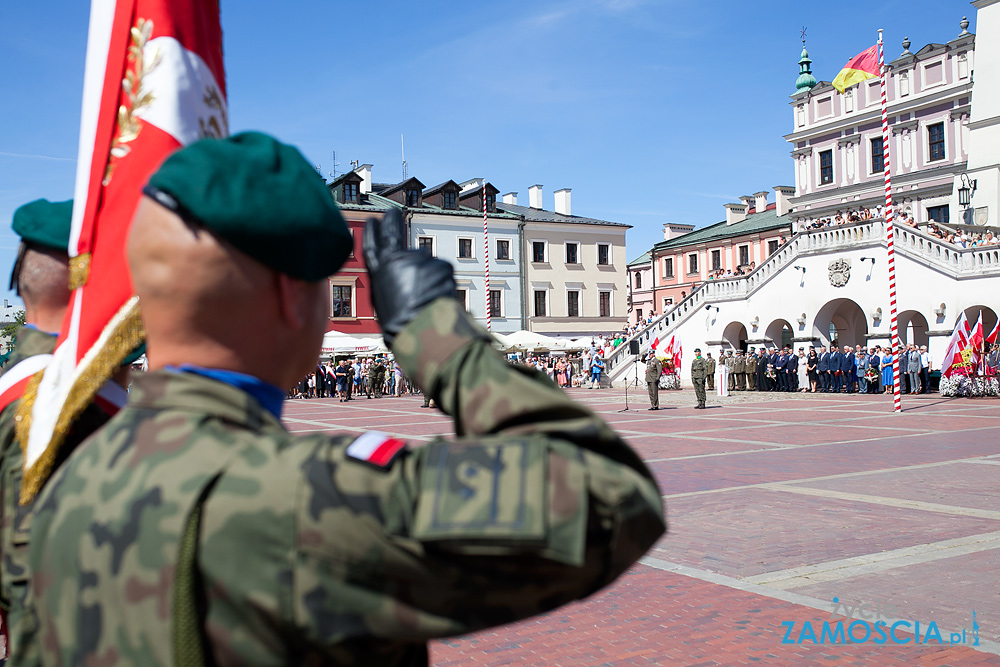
966	190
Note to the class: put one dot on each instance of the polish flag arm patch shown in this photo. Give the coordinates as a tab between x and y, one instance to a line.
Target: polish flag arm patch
376	448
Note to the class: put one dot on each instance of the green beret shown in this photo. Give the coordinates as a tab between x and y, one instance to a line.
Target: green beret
261	196
44	223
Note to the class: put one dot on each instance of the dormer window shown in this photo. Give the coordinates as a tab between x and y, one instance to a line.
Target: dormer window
350	193
448	200
491	203
413	197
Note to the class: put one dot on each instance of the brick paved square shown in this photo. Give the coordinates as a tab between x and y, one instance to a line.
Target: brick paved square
777	503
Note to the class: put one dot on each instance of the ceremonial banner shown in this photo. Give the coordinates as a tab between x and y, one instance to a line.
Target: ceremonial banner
953	358
153	82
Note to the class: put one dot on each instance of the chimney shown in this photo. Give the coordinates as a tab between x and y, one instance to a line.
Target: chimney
365	172
761	204
563	205
510	198
748	201
535	196
782	193
736	212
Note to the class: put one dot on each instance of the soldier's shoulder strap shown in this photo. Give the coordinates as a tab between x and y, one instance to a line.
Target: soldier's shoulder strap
188	621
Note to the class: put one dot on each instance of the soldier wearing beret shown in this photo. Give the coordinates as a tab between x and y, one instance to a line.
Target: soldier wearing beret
41	278
751	369
699	371
195	529
653	371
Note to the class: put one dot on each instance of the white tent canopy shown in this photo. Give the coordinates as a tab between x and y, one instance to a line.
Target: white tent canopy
529	340
335	342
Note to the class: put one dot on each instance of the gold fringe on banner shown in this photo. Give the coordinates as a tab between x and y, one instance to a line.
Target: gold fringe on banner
79	271
119	339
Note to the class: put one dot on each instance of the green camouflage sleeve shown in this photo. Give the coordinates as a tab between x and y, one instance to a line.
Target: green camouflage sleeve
537	504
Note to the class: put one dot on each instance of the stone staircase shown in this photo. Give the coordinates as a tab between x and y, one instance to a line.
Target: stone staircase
952	261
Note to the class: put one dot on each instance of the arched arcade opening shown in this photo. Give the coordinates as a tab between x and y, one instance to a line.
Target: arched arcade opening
842	322
736	335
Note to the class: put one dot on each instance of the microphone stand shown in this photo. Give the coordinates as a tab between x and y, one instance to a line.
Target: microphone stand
635	369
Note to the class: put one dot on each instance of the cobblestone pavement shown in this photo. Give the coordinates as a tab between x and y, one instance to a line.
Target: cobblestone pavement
778	504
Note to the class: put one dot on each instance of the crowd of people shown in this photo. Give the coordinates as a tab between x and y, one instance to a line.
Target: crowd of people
844	218
837	370
572	370
349	377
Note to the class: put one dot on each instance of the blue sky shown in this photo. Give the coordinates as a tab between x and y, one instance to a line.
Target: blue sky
650	110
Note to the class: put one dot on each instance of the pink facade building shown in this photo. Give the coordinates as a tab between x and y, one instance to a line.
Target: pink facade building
752	231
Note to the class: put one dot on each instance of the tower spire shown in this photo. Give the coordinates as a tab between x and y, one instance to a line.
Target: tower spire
806	80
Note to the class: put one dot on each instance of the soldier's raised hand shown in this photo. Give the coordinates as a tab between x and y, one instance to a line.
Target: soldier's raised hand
403	281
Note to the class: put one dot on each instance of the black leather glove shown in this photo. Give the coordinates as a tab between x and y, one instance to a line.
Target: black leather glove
403	281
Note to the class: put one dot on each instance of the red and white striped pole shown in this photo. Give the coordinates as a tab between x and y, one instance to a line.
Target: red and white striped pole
894	329
486	255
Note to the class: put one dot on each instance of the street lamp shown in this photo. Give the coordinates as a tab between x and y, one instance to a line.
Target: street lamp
965	192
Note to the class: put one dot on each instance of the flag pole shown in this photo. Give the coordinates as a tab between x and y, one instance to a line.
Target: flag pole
894	328
486	255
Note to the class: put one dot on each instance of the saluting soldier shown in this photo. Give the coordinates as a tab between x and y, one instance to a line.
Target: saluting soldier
194	529
699	371
653	371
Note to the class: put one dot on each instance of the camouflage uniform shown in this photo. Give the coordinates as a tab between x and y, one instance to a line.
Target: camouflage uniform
306	555
699	371
15	591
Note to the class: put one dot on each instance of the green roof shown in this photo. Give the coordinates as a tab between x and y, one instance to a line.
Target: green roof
641	259
754	223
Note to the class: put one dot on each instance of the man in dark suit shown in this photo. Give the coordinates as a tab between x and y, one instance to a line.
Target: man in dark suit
772	360
780	369
762	370
847	370
792	370
823	366
875	361
836	359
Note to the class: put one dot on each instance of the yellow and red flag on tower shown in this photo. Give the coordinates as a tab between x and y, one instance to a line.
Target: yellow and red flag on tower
153	82
860	68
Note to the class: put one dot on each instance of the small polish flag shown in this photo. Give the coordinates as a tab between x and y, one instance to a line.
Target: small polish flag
992	338
656	341
376	448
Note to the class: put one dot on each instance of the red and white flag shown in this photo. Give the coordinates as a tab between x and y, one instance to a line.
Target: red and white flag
958	342
992	338
655	343
154	81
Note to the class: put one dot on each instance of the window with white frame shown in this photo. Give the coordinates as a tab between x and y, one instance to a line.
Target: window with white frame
538	251
465	249
503	249
603	254
540	303
604	304
572	253
463	297
573	303
668	267
427	243
496	303
341	300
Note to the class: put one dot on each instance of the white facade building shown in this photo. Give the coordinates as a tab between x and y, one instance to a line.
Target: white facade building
830	285
575	274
